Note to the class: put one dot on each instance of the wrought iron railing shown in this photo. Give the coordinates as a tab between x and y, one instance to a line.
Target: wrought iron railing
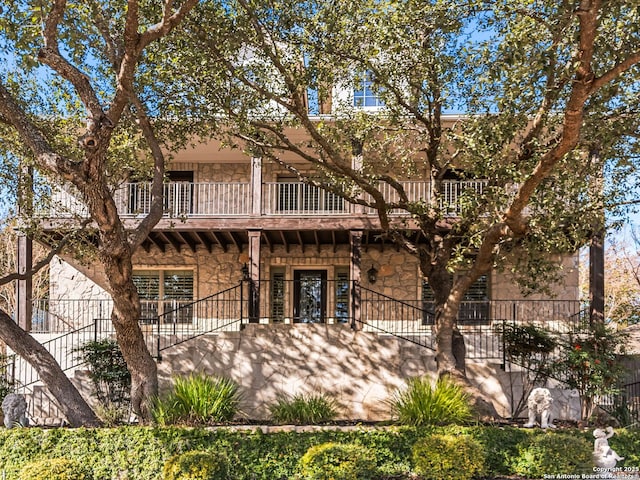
64	315
344	302
624	405
21	375
223	311
408	320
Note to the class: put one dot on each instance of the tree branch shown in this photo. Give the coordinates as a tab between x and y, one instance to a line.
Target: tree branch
574	113
135	43
157	186
44	154
50	55
46	260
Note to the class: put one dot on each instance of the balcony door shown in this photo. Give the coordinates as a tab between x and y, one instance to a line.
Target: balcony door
178	193
309	296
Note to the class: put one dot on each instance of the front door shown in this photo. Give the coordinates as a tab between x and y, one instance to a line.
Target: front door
310	296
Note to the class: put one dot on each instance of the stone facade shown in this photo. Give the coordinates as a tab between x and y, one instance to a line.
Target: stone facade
359	370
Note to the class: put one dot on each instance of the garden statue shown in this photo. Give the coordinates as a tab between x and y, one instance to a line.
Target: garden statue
14	407
539	403
603	455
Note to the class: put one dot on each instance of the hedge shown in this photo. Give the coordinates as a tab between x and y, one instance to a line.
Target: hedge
140	453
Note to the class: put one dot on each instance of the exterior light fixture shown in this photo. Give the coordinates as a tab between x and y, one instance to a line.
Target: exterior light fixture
245	273
372	274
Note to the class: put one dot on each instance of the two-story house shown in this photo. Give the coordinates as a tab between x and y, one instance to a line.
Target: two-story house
285	287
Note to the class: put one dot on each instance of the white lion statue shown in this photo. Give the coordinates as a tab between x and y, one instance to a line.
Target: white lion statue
539	403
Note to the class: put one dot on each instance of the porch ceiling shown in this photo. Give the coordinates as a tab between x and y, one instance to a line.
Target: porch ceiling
182	240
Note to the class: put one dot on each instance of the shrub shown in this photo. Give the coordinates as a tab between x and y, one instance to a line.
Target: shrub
337	461
196	465
55	469
302	410
198	399
530	347
554	454
589	362
110	378
420	404
501	446
448	457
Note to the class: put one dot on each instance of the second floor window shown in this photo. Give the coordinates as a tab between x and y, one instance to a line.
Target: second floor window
364	94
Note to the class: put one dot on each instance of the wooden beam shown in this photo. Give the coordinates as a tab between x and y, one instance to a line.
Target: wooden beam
274	222
236	241
355	275
24	290
154	241
268	241
168	236
184	237
254	273
333	239
284	241
299	235
596	278
315	236
256	185
204	240
223	245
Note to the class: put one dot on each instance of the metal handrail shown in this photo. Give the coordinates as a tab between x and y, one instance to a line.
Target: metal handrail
63	346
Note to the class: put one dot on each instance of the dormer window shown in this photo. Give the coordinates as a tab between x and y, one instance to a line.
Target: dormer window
364	94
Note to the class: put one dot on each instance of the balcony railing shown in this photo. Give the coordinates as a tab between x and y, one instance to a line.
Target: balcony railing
185	199
214	199
295	198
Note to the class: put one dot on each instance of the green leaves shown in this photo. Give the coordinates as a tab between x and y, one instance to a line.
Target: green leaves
590	363
303	409
198	400
421	404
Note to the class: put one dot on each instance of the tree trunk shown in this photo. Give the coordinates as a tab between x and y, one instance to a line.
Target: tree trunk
125	318
116	256
141	365
75	409
450	356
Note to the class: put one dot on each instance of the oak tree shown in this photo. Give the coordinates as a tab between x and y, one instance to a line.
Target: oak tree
537	88
77	98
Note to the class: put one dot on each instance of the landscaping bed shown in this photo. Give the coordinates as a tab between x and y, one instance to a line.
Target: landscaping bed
140	453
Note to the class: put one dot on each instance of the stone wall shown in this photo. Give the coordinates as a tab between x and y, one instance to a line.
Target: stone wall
505	389
359	370
504	287
398	274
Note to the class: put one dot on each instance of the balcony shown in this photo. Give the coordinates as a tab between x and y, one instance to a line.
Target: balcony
185	200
